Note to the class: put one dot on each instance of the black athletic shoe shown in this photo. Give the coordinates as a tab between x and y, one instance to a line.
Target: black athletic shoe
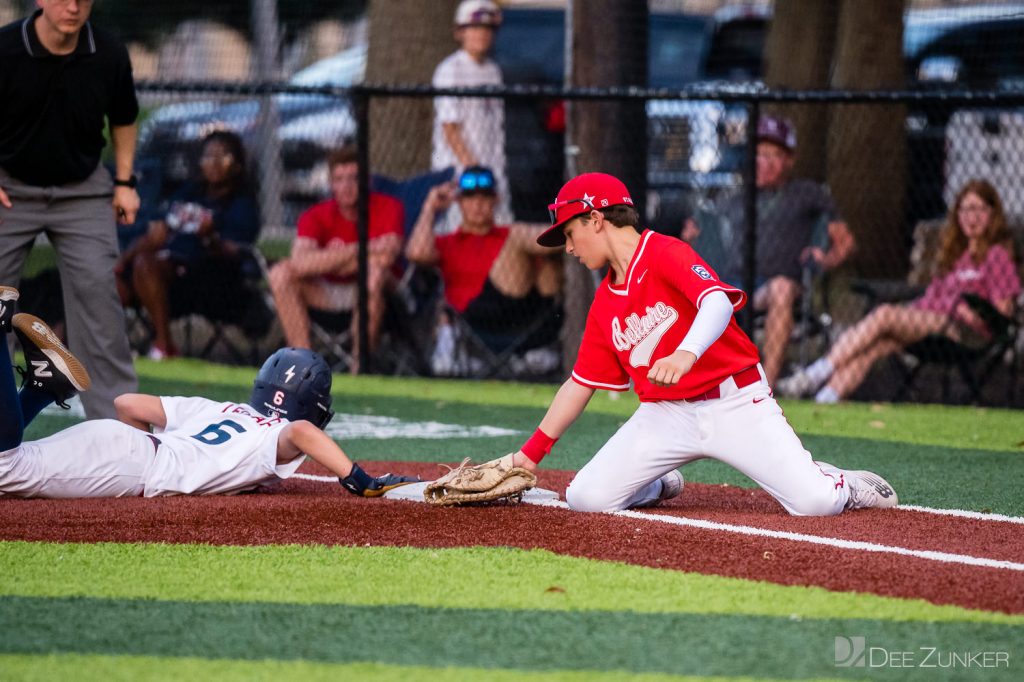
8	295
50	366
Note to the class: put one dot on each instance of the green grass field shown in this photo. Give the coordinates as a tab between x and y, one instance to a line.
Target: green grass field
118	611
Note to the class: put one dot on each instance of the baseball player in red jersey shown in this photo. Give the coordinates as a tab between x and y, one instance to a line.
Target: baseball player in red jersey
663	321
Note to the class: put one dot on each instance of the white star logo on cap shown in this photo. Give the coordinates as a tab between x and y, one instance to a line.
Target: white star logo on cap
588	197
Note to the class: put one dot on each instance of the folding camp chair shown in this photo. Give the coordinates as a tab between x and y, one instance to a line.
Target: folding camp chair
975	363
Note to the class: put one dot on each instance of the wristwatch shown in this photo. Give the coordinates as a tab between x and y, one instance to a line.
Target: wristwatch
131	182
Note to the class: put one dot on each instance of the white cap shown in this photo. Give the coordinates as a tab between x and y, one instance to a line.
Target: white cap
478	13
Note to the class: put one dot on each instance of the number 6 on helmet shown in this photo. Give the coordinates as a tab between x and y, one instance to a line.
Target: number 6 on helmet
294	383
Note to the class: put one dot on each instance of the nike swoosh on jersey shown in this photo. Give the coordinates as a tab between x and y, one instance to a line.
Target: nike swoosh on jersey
641	277
641	354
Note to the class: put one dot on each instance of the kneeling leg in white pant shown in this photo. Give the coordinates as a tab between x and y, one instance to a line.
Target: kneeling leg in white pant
625	472
756	438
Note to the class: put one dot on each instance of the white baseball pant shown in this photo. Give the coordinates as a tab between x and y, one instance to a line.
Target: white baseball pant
744	428
98	458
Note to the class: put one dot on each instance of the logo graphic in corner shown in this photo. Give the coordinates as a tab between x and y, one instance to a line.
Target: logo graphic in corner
701	271
642	334
850	652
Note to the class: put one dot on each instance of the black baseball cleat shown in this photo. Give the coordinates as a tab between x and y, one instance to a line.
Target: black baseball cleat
50	366
8	295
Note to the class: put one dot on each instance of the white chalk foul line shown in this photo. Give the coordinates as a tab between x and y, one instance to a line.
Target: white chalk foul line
945	557
964	514
830	542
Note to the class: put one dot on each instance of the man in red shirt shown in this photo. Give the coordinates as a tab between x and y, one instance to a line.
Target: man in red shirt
495	276
662	321
321	271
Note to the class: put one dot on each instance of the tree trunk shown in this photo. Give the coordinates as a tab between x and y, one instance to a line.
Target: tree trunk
408	38
609	49
867	146
612	136
798	56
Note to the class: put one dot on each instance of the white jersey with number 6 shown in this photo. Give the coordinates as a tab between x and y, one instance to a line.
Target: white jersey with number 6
211	448
206	448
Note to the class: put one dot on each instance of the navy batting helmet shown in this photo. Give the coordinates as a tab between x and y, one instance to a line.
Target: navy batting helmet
294	383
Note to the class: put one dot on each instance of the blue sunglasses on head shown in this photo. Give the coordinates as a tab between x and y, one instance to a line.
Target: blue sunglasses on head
476	181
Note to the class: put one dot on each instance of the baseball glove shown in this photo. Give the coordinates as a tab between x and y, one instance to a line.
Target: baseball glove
497	481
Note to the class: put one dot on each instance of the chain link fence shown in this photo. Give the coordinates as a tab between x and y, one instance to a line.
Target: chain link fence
701	167
893	164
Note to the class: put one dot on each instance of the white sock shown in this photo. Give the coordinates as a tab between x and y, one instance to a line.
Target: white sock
827	396
819	371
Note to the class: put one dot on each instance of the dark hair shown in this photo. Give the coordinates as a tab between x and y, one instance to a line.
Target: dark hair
234	146
622	215
342	156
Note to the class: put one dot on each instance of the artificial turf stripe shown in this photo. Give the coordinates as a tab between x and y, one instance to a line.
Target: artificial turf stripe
27	668
472	578
691	644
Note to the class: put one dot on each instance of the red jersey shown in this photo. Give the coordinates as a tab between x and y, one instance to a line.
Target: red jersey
465	261
632	325
324	223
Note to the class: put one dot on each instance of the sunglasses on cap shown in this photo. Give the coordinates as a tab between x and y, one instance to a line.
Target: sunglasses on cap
476	181
553	208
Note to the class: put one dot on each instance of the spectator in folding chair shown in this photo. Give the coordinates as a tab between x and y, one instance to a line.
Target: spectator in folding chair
495	277
321	272
789	211
975	258
194	259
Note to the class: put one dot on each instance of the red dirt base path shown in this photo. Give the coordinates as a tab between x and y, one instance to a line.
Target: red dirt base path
301	511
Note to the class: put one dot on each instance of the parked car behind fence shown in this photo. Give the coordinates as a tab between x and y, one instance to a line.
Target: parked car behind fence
695	147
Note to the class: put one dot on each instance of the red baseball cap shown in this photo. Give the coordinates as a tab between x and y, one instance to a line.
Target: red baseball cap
582	194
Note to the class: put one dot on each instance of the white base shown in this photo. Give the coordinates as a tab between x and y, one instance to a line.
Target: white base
414	493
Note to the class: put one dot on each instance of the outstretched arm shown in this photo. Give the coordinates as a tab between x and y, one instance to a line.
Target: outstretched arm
567	405
140	410
304	438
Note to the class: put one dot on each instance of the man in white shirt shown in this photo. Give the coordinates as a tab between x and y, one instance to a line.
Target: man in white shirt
470	131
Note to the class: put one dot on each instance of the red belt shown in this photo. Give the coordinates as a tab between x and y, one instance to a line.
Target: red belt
743	378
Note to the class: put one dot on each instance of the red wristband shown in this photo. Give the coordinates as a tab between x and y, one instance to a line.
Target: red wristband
537	446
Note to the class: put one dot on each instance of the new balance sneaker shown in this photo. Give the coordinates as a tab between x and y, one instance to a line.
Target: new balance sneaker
50	366
867	490
671	486
8	295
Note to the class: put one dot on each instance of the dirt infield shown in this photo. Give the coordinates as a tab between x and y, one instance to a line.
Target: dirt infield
301	511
